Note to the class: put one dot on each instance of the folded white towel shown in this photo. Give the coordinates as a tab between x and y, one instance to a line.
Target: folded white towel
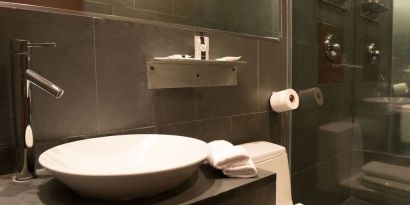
242	171
176	56
229	58
223	154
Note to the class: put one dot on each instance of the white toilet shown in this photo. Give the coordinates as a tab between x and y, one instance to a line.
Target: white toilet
272	157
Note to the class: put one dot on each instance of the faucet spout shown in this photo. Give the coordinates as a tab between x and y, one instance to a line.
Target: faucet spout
44	84
23	78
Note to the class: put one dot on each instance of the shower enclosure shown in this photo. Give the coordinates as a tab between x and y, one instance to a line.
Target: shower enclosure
353	147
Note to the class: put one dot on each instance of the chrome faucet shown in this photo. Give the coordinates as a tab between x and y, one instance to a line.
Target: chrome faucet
23	78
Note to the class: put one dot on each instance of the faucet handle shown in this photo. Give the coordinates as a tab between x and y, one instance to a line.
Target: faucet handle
22	46
40	45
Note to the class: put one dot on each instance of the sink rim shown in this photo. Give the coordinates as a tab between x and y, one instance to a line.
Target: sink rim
387	100
205	154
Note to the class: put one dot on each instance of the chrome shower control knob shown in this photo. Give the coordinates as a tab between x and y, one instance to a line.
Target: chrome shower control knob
332	48
374	53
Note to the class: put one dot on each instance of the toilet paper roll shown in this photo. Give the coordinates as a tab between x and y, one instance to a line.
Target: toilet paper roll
400	89
311	97
284	100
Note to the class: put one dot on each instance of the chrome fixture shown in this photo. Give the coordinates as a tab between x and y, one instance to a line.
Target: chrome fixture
332	48
23	78
374	53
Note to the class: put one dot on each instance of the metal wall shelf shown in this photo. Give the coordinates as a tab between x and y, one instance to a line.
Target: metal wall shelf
178	73
373	10
341	4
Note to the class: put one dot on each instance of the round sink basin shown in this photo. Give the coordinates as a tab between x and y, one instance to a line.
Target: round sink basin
125	166
387	104
388	100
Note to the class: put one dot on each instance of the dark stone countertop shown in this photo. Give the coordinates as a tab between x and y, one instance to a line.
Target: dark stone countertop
204	185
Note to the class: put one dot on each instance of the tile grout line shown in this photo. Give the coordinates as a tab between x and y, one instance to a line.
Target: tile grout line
231	129
91	135
95	75
196	104
173	7
6	145
251	113
257	71
208	119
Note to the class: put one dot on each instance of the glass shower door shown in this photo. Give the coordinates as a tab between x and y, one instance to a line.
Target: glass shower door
381	149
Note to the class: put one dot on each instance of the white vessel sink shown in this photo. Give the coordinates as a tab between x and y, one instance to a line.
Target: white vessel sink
390	104
125	166
388	100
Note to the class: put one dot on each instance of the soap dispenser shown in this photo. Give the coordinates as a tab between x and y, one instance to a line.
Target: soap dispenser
201	47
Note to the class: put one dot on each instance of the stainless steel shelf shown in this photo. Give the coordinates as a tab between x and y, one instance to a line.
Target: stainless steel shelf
373	10
341	4
178	73
374	7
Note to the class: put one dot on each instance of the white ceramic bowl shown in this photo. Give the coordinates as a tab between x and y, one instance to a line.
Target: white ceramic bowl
125	166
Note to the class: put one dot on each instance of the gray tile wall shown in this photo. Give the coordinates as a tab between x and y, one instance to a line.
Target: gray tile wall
320	163
101	65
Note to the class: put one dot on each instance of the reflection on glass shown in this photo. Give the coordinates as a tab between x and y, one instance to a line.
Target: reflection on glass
311	97
260	17
253	17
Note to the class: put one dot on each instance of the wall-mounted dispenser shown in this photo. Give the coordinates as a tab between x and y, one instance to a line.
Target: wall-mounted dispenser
201	47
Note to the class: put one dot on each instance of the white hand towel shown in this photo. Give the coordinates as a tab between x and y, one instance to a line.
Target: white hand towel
223	154
229	58
242	171
176	56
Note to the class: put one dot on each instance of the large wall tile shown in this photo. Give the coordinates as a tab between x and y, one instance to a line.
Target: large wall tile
206	130
6	99
124	100
272	70
256	127
304	22
243	98
154	5
69	65
7	159
174	105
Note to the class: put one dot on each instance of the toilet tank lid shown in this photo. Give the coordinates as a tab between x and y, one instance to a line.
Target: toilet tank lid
261	151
